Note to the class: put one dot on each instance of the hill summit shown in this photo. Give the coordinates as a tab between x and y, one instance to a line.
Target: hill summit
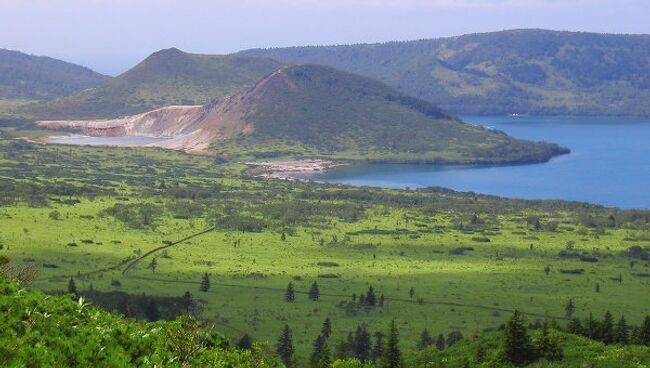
166	77
320	111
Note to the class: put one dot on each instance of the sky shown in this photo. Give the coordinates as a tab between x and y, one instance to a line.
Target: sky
110	36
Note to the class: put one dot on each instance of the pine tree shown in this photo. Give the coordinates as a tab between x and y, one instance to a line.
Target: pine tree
440	342
362	344
546	346
606	332
317	351
153	264
381	301
644	332
425	340
284	348
290	294
569	309
313	292
362	299
205	283
187	302
378	347
371	298
575	327
151	311
326	330
72	287
245	343
591	329
517	347
342	350
411	293
621	335
392	355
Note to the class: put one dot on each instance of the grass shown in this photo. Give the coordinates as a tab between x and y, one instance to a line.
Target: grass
390	239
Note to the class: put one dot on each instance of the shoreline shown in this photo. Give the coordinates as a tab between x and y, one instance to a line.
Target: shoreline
286	170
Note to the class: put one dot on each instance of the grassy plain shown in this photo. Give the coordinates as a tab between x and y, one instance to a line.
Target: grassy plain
77	211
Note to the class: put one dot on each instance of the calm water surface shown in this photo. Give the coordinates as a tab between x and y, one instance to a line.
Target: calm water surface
609	164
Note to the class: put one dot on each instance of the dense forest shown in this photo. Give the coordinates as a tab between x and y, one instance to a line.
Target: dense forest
516	71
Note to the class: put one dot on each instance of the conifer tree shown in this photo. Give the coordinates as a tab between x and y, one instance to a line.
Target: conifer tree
151	311
314	292
153	264
575	327
317	352
621	335
569	309
187	302
290	294
371	298
517	346
381	301
425	340
72	287
644	332
546	346
392	357
411	293
284	347
378	347
607	329
440	342
245	343
591	328
362	344
205	283
326	330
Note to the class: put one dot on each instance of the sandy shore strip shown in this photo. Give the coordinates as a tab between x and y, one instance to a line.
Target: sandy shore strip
289	169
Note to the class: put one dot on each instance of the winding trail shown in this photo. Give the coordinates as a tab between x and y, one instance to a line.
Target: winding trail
134	262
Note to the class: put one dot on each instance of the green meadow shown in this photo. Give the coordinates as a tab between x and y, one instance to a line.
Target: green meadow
442	260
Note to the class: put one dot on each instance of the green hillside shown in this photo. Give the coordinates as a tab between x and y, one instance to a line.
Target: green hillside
167	77
329	112
518	71
43	331
29	77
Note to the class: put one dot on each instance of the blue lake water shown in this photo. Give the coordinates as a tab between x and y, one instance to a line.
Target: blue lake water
609	164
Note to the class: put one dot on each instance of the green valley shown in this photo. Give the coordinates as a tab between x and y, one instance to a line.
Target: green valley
123	222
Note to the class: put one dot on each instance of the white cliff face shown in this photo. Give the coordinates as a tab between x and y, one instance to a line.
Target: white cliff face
188	128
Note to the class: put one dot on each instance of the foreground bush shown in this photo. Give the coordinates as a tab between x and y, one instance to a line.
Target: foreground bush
37	330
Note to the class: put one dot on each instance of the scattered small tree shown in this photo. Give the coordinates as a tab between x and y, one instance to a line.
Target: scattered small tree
621	334
425	340
517	346
245	343
153	264
205	283
72	287
392	357
326	330
440	342
284	347
290	294
314	292
569	309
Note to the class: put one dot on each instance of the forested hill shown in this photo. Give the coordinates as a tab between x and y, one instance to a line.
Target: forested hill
29	77
166	77
516	71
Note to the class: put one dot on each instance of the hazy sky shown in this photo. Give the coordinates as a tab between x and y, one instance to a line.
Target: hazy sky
112	35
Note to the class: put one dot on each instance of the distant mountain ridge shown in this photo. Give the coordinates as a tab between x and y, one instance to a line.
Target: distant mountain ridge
518	71
30	77
167	77
321	111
